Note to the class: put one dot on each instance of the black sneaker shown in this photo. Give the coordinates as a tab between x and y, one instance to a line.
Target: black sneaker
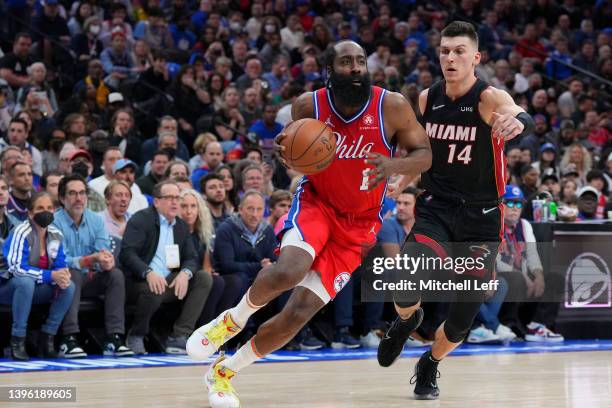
115	346
70	348
393	341
425	378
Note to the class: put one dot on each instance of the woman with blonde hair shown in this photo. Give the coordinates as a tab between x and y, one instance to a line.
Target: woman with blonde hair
227	289
579	156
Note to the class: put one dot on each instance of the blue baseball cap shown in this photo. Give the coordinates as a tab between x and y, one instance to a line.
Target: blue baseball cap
548	146
122	164
513	192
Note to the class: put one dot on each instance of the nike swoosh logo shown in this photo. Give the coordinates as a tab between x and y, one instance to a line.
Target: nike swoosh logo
485	211
437	107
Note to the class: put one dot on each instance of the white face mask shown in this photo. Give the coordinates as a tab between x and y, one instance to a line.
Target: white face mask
94	29
235	26
270	28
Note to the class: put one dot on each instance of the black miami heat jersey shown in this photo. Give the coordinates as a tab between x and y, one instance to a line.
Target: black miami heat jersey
468	162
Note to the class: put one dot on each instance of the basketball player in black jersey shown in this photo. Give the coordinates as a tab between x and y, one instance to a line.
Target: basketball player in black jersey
467	122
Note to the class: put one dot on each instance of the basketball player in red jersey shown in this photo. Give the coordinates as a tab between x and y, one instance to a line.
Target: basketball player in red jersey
467	122
333	214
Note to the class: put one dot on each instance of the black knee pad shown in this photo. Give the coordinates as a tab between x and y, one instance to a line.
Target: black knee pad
455	334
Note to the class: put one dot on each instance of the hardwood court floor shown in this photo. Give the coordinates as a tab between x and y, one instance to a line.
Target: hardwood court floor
578	379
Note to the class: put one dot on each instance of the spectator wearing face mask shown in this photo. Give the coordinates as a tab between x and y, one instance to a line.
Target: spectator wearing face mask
37	273
87	45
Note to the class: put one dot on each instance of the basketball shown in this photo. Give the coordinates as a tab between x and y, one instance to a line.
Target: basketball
310	146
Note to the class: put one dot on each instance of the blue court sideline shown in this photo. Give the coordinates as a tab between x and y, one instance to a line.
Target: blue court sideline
161	360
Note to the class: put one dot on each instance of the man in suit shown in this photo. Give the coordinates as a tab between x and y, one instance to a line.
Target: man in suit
158	256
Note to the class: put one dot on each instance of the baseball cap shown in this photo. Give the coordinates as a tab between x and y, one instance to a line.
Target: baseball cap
513	192
122	164
548	147
80	153
569	170
115	97
117	31
550	174
49	2
588	189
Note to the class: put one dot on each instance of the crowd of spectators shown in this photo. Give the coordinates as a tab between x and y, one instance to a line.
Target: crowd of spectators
101	101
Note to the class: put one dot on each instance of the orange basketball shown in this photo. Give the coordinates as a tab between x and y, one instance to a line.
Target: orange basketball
310	146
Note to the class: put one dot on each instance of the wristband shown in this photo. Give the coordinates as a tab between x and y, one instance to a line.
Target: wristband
527	121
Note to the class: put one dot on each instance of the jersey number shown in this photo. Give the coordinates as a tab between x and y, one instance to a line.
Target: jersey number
364	180
463	156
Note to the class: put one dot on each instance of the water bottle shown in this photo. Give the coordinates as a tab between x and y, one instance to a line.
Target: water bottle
552	211
537	210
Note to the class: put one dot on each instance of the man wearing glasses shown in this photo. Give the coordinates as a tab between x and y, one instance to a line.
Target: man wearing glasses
519	264
160	261
92	267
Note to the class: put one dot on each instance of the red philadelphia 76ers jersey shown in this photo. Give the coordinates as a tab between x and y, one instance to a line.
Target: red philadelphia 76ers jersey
344	184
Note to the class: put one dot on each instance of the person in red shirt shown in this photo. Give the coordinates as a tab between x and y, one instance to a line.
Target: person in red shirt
530	46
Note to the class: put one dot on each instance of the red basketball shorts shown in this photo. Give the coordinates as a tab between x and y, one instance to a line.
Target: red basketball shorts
336	241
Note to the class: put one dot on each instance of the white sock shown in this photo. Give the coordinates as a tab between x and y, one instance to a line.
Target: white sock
244	357
243	310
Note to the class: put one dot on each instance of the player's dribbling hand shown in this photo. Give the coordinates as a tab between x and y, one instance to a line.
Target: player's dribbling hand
506	126
381	169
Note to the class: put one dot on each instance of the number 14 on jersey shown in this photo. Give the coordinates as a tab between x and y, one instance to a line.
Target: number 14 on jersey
464	156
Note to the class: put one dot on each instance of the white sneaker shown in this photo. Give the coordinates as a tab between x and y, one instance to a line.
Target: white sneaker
221	392
539	332
370	340
206	340
505	333
482	335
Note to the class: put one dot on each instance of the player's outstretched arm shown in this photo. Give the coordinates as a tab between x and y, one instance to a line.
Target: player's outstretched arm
507	119
402	123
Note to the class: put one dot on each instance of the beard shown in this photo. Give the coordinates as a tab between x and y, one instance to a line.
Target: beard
346	93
